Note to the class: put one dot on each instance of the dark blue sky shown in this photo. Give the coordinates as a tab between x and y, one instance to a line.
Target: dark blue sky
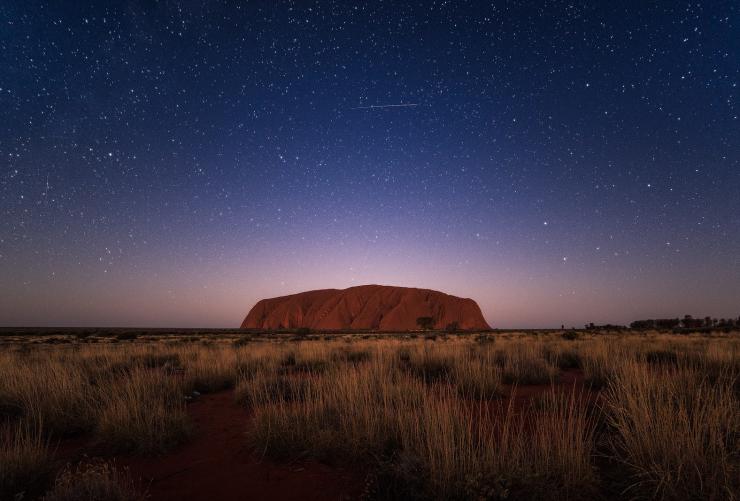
169	163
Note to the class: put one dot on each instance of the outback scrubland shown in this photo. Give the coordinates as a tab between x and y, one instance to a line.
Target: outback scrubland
556	415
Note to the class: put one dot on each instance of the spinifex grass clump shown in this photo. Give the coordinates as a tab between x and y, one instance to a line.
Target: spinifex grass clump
46	392
677	433
208	369
562	434
25	462
430	365
265	386
351	355
477	378
304	358
562	356
720	364
525	364
144	413
600	362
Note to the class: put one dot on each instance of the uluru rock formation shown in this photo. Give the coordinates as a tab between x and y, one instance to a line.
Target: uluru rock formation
375	307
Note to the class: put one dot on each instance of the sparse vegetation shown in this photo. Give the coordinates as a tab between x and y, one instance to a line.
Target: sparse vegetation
491	416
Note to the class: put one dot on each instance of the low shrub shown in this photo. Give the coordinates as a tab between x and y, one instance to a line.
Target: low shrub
431	368
661	357
569	335
95	481
351	356
564	358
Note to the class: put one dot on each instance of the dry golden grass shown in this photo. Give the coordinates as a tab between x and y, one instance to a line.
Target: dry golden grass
208	369
131	397
25	462
524	363
49	392
478	377
678	433
426	421
440	419
143	413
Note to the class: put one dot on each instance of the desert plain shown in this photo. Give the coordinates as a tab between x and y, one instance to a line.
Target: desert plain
126	414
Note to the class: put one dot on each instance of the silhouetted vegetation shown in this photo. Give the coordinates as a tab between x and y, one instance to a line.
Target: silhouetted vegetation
570	335
605	327
425	323
688	322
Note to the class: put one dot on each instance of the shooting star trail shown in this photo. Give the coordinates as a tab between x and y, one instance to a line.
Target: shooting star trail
374	106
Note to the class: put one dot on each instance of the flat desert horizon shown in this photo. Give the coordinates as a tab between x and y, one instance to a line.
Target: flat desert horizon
335	250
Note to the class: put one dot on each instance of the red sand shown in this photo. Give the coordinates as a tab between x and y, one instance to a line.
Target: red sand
377	307
216	463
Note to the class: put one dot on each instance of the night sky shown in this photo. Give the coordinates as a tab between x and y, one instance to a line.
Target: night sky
170	163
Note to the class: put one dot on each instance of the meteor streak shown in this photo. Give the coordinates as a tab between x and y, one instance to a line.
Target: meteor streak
373	106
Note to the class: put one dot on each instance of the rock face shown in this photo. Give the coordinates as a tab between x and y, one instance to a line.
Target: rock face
377	307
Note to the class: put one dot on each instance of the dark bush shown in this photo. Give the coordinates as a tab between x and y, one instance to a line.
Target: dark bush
568	360
662	357
288	360
404	356
243	341
484	339
425	323
431	370
351	356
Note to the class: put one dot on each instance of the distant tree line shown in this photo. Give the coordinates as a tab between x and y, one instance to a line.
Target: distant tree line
687	322
605	327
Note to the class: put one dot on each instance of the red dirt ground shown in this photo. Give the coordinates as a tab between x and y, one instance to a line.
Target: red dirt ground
216	464
569	380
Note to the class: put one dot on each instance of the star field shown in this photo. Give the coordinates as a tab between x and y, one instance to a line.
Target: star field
169	163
